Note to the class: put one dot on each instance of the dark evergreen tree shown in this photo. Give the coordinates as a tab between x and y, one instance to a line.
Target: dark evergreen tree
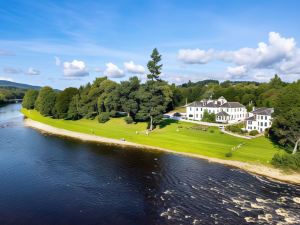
128	96
153	66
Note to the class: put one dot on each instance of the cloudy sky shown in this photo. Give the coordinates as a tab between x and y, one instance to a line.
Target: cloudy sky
67	43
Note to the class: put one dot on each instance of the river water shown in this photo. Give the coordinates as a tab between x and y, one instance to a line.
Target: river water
50	180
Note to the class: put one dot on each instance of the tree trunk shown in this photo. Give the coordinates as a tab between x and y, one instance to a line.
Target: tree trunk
296	146
151	123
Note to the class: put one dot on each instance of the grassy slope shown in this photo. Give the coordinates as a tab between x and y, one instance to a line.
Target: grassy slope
187	139
180	109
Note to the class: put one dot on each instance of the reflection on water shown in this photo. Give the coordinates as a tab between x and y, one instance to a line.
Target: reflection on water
50	180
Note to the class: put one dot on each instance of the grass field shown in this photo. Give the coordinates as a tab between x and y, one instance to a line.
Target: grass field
174	135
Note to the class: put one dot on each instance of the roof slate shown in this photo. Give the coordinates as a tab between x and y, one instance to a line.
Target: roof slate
222	113
263	111
232	105
217	104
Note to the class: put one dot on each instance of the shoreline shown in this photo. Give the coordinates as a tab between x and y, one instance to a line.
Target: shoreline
262	170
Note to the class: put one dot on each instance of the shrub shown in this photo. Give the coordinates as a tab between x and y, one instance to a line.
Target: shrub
103	117
211	131
235	128
113	113
128	119
253	132
286	161
228	154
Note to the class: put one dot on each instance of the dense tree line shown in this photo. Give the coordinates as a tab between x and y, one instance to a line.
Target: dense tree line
245	92
9	93
105	98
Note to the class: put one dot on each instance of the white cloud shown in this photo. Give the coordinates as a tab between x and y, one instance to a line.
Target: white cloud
113	71
57	61
279	54
11	70
131	67
237	71
76	68
195	56
6	78
32	71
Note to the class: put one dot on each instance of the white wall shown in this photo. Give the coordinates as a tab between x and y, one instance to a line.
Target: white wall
236	114
261	123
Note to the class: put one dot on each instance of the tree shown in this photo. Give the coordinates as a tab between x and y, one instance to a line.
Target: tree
45	101
62	103
153	66
154	98
29	99
108	98
128	96
276	82
208	117
73	111
285	129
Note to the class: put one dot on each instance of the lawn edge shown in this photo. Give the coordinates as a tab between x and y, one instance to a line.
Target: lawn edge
258	169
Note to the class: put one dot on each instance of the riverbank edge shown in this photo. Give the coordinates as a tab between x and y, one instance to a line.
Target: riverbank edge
257	169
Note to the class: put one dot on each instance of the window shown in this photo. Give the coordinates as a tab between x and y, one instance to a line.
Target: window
201	109
249	122
262	117
196	109
266	124
261	123
266	117
190	115
191	108
197	115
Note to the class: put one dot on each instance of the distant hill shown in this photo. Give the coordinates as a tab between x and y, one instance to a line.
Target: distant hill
5	83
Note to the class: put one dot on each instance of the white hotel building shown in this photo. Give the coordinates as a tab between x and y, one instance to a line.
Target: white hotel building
226	112
259	119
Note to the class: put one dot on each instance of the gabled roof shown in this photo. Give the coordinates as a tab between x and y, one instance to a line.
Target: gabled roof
204	104
263	111
252	118
213	104
222	113
195	104
232	105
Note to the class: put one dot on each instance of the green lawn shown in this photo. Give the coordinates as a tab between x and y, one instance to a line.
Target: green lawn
210	143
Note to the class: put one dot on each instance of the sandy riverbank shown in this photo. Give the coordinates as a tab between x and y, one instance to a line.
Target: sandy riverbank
252	168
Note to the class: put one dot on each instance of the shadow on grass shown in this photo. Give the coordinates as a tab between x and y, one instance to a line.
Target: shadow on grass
167	122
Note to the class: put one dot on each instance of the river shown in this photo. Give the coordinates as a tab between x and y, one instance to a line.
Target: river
51	180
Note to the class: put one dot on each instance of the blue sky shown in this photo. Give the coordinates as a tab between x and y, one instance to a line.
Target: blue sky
68	43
